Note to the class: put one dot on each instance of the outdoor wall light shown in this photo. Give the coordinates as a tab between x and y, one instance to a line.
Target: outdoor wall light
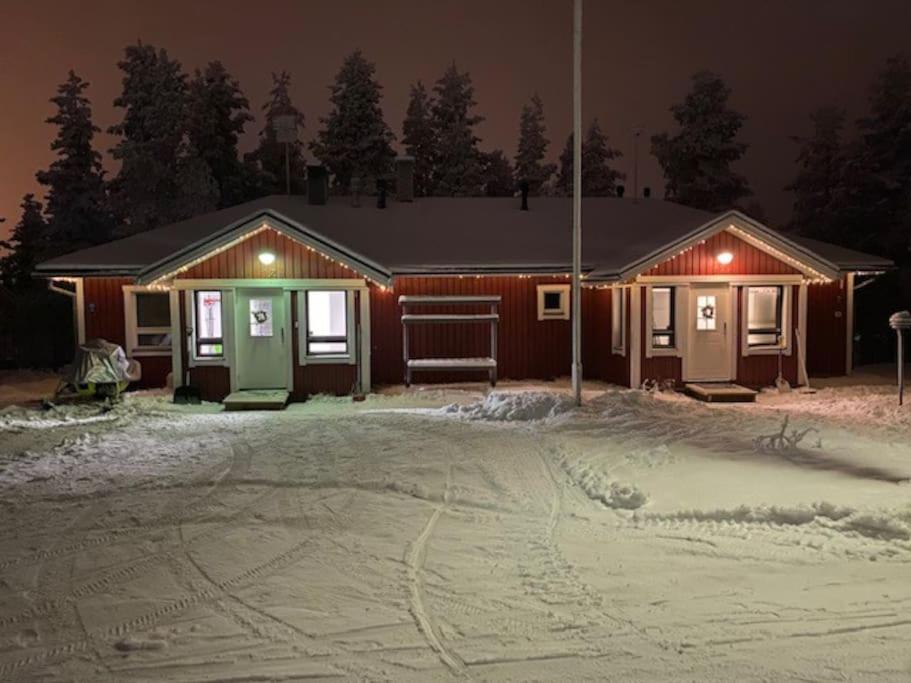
725	257
267	258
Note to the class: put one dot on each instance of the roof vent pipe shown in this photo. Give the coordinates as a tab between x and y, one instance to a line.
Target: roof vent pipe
620	191
404	179
317	184
381	193
356	189
523	187
646	192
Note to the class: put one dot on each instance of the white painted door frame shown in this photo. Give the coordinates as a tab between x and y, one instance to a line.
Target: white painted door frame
694	368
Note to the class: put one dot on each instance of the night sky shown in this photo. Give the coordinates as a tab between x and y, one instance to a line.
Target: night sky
782	58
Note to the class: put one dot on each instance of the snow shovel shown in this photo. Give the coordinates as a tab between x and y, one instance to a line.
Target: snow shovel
781	383
187	394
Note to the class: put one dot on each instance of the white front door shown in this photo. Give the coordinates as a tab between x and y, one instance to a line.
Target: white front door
263	342
709	334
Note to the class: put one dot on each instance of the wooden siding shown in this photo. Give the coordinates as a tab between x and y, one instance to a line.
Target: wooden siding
598	358
527	348
155	371
104	308
292	260
827	320
337	379
701	260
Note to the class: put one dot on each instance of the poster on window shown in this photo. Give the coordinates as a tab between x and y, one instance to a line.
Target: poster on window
260	317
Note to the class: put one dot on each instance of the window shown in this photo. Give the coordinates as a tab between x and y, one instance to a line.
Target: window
327	323
618	320
764	314
706	309
261	317
210	342
153	321
663	299
553	302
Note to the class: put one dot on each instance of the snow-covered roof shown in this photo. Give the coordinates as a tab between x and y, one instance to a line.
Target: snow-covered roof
438	235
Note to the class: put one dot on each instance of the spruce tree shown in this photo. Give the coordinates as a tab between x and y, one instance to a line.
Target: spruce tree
77	201
882	178
599	178
818	188
697	160
146	192
27	245
268	158
532	149
419	138
457	159
497	174
216	117
354	140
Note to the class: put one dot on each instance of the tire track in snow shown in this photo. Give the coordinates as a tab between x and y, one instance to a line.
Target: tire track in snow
415	556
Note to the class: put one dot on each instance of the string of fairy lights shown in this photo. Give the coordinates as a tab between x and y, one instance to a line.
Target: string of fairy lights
163	281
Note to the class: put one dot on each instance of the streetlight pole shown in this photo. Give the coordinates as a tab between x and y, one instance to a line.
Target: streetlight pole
577	203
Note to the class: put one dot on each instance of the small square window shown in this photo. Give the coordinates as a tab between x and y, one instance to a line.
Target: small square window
553	302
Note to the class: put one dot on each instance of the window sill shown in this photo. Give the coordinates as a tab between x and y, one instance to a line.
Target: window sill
665	352
767	350
327	360
139	352
618	351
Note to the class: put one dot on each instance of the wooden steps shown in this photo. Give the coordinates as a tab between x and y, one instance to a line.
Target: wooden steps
257	399
720	392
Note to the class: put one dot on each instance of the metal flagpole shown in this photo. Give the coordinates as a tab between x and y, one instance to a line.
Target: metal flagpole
577	202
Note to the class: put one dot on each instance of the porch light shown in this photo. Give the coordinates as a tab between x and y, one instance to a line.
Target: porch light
267	258
725	257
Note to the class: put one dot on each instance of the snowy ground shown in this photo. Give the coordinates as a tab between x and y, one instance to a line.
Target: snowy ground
439	534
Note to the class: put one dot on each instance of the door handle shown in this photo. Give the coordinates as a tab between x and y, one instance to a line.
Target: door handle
283	334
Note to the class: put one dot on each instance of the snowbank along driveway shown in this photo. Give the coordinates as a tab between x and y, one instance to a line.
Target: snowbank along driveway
444	535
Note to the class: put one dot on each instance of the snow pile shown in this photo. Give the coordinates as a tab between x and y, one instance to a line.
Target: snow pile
15	418
598	486
883	525
870	405
526	406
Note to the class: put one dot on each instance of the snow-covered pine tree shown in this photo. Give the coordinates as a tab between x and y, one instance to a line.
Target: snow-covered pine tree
354	140
419	138
599	178
497	174
217	113
78	210
27	245
457	159
146	191
532	148
268	158
818	186
697	161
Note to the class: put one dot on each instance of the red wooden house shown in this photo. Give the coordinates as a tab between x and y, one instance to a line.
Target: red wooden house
302	293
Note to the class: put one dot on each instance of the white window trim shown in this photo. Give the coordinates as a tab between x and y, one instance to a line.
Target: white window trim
563	312
132	329
227	330
618	298
679	315
787	325
349	358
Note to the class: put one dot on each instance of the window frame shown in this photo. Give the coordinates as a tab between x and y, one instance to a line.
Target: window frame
779	330
349	357
671	330
208	341
133	330
561	313
618	321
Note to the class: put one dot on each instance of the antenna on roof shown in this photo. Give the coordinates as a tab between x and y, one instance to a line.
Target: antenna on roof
285	127
637	132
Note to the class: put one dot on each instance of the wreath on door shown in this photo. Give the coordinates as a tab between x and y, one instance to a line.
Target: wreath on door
260	317
707	312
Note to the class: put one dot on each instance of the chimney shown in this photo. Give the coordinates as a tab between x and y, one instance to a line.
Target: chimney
317	184
646	192
523	187
404	175
620	191
381	193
